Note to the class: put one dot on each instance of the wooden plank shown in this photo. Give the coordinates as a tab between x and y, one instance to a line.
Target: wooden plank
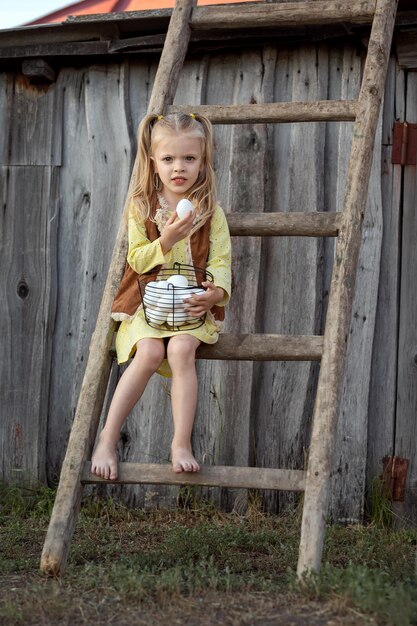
102	130
63	49
28	231
32	115
341	295
133	44
97	372
345	79
97	145
289	281
239	77
70	344
383	384
350	452
6	95
282	112
405	426
343	83
287	14
209	476
263	347
284	224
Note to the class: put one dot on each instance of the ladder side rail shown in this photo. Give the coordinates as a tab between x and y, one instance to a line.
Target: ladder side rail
172	57
342	290
91	399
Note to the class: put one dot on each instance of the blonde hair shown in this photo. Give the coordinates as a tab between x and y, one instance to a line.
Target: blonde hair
202	194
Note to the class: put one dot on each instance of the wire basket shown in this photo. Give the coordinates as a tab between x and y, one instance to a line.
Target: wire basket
163	293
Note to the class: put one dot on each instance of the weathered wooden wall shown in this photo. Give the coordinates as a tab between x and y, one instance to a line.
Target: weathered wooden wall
64	168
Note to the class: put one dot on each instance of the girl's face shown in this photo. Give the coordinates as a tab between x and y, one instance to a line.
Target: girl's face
178	160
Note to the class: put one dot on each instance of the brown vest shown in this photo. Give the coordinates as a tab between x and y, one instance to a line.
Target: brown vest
129	298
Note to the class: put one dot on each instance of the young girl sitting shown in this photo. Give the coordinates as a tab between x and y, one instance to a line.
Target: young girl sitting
175	161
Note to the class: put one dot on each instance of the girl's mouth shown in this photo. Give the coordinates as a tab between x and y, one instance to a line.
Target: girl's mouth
178	180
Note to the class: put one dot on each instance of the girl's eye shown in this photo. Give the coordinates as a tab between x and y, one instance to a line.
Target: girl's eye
167	159
190	158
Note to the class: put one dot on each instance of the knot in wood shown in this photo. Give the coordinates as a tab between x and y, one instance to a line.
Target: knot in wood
23	289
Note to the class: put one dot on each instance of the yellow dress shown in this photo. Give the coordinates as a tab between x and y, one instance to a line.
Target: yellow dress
143	255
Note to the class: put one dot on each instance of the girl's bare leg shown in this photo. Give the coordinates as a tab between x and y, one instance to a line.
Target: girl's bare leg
181	357
148	357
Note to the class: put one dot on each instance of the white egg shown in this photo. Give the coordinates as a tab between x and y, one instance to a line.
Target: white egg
184	207
156	316
178	280
183	293
161	284
153	284
169	302
150	300
177	319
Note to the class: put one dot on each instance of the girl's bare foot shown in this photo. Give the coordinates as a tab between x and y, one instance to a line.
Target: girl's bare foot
104	460
183	460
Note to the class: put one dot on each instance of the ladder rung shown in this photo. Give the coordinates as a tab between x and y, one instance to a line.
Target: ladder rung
318	224
263	347
260	347
275	112
286	14
209	476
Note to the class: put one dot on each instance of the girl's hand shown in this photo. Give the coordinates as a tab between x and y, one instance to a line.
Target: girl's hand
196	306
175	230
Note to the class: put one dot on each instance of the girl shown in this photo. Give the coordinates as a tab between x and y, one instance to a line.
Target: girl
175	161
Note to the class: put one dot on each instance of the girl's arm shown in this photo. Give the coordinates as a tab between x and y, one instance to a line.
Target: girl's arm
175	230
143	255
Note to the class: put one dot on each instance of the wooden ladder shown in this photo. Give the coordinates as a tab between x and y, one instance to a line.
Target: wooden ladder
346	226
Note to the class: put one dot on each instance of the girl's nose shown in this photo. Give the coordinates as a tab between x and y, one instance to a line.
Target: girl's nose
178	167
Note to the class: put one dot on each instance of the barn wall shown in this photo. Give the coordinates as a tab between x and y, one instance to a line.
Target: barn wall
64	169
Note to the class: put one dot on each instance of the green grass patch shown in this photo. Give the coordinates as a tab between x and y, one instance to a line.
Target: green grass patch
124	560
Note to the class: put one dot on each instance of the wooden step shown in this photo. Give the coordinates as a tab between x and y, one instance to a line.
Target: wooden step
274	112
263	347
285	14
260	347
317	224
209	476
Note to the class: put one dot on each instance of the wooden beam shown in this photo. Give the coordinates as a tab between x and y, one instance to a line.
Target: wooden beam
263	347
209	476
318	224
286	14
339	311
134	44
283	112
83	48
38	70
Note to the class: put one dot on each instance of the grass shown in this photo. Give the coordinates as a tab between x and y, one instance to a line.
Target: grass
198	564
